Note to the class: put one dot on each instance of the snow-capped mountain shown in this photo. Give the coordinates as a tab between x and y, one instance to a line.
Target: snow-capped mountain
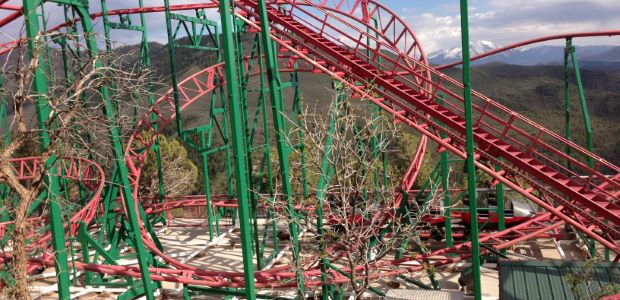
478	47
536	55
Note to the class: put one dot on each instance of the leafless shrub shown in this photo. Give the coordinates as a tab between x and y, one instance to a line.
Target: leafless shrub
75	126
362	224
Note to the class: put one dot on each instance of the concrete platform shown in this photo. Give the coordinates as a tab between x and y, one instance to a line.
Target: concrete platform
188	241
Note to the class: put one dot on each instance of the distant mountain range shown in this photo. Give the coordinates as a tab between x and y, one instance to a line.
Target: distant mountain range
593	57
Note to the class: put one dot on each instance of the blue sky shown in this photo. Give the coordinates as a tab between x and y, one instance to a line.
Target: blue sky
437	22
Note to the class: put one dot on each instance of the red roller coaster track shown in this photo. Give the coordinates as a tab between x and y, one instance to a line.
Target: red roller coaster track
533	41
333	39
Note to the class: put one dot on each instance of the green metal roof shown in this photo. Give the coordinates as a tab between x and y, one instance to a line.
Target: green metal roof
551	280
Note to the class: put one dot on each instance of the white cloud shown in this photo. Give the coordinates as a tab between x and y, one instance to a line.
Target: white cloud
506	22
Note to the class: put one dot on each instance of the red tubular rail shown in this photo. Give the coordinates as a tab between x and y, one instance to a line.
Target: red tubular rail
89	173
587	206
534	41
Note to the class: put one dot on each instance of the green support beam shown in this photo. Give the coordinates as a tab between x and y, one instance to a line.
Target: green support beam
569	52
119	157
582	100
275	95
145	62
248	138
43	111
321	191
469	147
243	199
173	70
567	130
501	208
445	176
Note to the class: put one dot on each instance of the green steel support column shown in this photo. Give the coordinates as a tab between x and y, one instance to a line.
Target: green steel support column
376	110
108	219
160	172
173	69
266	161
145	55
469	135
43	112
501	208
4	189
4	120
447	204
267	151
567	133
145	63
207	183
69	78
40	83
374	143
106	27
205	133
321	193
63	46
46	40
445	185
582	98
296	112
586	119
118	152
63	186
232	83
275	93
58	235
248	149
108	41
226	137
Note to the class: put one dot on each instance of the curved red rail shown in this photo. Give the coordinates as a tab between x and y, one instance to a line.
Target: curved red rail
533	41
89	173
